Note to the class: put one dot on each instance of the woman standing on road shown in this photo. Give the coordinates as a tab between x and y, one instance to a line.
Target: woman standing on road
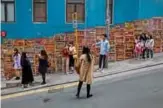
43	65
27	76
86	63
17	64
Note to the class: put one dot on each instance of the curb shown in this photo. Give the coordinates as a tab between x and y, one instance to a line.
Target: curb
75	81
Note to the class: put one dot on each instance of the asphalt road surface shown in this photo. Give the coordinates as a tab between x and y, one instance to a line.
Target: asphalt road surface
134	91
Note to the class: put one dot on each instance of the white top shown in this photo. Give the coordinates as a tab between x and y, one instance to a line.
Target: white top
72	50
17	59
149	43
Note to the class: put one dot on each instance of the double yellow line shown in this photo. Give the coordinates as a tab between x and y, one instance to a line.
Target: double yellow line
46	89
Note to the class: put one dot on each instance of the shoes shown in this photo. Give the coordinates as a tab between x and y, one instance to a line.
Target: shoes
77	96
102	70
89	96
30	84
98	70
25	86
43	83
17	78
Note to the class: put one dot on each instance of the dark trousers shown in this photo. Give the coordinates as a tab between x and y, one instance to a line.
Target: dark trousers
43	77
144	53
71	61
80	86
102	61
149	53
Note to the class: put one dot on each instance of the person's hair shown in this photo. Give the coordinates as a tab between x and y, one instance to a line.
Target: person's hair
24	55
150	36
44	54
71	43
66	44
16	51
137	37
86	51
105	35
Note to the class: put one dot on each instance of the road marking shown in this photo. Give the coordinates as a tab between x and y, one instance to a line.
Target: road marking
57	87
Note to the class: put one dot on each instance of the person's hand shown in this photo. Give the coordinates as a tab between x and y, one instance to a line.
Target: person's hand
93	45
107	54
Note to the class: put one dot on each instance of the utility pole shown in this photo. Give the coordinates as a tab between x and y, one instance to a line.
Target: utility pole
107	26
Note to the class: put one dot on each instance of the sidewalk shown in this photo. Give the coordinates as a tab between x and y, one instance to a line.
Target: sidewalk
60	78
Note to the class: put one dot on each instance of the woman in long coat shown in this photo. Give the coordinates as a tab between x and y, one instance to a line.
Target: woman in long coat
86	71
27	76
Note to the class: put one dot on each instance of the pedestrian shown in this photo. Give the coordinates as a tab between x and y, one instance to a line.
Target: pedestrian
43	65
65	59
17	64
143	39
104	49
150	47
72	57
136	49
86	63
27	76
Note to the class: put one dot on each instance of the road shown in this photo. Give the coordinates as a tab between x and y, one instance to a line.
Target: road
141	90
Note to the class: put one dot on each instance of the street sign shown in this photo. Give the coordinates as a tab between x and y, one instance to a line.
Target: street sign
75	24
3	33
74	20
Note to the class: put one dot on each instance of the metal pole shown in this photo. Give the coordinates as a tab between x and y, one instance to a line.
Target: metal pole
107	18
76	37
107	26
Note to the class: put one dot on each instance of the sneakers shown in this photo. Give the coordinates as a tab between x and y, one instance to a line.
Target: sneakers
100	70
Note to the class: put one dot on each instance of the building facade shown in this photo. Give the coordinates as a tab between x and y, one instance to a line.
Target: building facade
24	19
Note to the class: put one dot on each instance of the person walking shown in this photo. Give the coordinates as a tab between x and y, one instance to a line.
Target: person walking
65	59
86	63
43	65
17	64
27	76
104	49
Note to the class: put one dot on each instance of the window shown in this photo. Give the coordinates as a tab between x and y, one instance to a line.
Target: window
77	6
7	10
39	10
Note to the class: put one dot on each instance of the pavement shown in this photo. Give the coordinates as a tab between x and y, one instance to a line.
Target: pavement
60	78
140	88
